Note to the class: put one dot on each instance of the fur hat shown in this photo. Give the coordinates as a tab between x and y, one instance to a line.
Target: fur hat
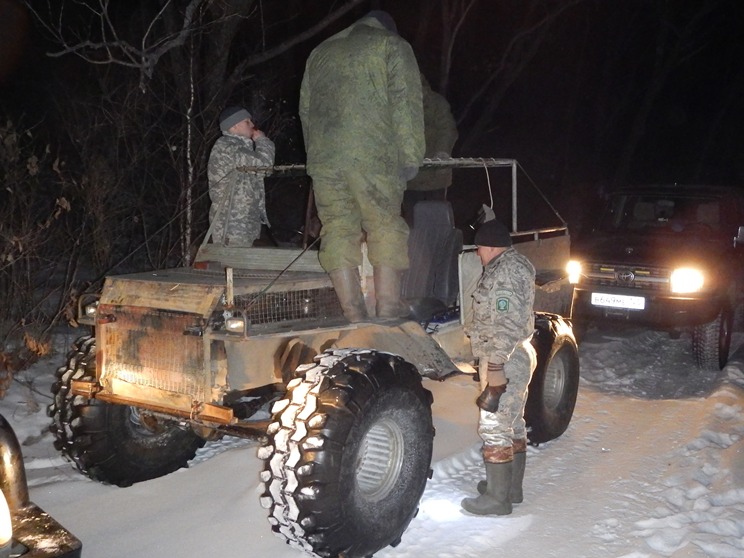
493	233
231	116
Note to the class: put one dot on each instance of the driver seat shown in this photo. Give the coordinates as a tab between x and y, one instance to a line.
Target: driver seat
431	284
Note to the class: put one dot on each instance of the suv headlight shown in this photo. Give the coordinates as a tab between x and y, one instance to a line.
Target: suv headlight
573	269
686	280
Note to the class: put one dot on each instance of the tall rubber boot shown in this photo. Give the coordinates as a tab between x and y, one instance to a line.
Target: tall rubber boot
348	289
495	501
515	494
387	292
520	460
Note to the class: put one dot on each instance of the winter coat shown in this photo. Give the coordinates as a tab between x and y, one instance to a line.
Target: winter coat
360	102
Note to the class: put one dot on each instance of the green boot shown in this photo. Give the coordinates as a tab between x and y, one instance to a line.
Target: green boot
515	494
495	500
520	460
387	291
348	289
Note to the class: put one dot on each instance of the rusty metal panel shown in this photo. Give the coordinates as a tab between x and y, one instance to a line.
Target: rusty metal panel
170	294
148	348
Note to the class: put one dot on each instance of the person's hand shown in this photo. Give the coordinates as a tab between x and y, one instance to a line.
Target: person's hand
408	172
256	133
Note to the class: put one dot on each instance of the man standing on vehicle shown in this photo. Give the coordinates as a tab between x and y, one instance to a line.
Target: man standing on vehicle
238	198
362	119
440	130
500	333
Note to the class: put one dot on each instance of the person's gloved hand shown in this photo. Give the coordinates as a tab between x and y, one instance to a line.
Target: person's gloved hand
408	172
489	398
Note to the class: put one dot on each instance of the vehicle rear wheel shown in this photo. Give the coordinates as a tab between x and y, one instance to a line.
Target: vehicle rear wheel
348	454
711	342
114	444
555	384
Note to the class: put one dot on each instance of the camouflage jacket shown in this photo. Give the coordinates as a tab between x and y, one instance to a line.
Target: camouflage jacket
503	307
238	198
360	102
440	130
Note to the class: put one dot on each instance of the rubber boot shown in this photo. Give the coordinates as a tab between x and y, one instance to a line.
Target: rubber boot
520	460
387	293
348	289
495	500
515	494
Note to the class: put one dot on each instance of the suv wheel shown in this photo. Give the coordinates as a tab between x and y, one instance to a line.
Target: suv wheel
711	342
348	454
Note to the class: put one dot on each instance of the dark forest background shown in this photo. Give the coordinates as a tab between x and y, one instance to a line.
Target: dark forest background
108	110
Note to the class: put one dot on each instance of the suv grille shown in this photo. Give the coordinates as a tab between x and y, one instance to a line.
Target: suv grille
609	275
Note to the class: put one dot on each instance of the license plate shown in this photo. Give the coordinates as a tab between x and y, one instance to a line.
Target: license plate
618	301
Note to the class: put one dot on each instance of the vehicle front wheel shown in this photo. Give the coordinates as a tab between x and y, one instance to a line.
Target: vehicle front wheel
113	444
348	454
711	342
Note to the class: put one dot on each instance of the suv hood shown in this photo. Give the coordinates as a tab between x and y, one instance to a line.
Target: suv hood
653	250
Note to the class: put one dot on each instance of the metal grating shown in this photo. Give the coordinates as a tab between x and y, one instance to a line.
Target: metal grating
307	304
149	349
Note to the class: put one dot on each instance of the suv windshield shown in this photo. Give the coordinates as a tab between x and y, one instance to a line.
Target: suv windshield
665	214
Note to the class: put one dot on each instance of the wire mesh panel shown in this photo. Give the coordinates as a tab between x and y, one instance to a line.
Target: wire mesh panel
305	304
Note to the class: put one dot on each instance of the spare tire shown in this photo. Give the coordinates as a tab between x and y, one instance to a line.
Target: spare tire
348	454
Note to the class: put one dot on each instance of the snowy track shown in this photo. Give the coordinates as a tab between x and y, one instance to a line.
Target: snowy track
652	465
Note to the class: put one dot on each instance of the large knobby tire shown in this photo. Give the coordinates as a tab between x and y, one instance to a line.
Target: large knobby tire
711	342
555	382
113	444
348	454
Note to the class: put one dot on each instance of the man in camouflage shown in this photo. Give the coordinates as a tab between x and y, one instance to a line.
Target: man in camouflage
440	131
362	120
500	333
238	199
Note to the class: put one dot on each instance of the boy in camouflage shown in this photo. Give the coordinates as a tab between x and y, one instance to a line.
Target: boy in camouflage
238	198
503	323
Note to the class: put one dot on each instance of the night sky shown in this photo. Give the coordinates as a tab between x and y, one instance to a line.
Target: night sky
594	94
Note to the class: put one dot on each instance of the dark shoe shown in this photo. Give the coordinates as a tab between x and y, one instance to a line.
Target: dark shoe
348	289
495	500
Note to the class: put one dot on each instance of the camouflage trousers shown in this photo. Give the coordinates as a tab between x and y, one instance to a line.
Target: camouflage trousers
502	430
349	203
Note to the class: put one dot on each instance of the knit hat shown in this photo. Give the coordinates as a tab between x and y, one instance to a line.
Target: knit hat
385	18
493	233
231	116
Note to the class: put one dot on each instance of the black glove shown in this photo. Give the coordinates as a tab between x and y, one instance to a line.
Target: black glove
489	398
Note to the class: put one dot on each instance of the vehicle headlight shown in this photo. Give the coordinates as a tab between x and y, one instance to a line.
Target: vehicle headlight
686	280
235	325
573	268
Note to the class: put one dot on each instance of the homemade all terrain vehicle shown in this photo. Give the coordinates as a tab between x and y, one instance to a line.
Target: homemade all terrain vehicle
181	356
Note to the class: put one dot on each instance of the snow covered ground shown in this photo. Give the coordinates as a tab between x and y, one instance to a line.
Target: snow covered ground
652	465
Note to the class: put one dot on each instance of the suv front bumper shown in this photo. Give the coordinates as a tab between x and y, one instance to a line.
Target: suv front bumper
659	310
